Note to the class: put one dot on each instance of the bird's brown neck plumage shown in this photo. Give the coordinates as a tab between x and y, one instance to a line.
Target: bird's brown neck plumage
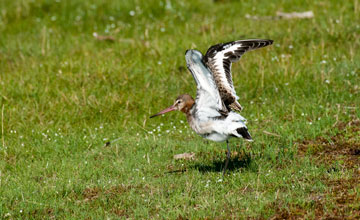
188	105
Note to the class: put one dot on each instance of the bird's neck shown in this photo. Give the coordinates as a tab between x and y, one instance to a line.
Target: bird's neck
188	113
186	109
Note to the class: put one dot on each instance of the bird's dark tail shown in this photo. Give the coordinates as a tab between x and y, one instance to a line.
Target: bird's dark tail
243	131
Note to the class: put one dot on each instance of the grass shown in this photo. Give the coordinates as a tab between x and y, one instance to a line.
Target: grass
64	94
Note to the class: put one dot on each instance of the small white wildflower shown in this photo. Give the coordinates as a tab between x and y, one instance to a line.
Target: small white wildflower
137	134
275	58
21	210
22	144
167	131
219	180
286	84
161	124
159	62
150	132
111	18
291	46
327	81
132	13
53	18
310	123
21	137
323	62
180	131
181	121
162	29
334	58
337	21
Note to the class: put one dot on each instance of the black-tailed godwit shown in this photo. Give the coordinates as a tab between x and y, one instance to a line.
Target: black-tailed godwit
213	114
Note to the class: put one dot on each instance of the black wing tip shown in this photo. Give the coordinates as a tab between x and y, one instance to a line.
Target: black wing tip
211	52
266	42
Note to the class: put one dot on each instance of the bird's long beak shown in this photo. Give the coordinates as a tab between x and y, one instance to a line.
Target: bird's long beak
171	108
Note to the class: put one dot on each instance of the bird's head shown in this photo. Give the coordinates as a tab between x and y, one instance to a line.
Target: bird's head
182	103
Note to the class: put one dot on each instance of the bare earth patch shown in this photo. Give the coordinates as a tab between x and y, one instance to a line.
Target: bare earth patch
341	200
343	147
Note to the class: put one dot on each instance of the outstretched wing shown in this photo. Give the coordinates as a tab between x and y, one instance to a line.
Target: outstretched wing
218	59
208	101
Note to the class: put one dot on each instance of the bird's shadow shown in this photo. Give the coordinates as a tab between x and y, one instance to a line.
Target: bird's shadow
218	165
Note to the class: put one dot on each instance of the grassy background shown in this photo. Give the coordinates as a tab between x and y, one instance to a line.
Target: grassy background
63	94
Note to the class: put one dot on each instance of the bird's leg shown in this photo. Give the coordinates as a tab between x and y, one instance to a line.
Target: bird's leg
227	157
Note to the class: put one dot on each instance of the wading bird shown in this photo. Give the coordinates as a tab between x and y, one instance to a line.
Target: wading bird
213	114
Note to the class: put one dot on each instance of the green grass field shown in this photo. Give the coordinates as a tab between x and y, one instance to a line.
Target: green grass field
64	94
